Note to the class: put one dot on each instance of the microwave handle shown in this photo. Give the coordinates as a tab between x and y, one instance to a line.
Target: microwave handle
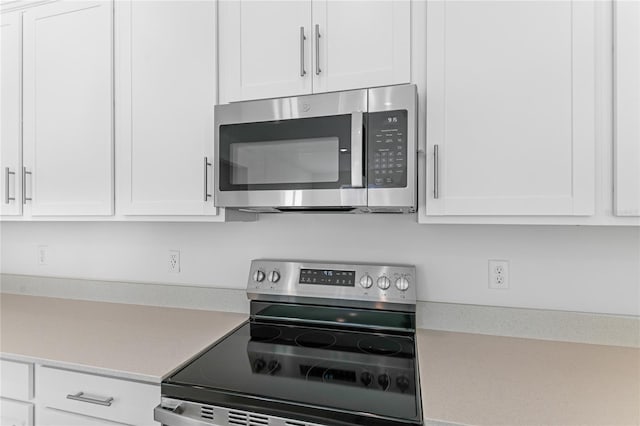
357	143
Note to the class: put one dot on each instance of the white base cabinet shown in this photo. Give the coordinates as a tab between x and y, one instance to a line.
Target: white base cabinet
107	398
15	413
50	417
16	383
16	380
40	395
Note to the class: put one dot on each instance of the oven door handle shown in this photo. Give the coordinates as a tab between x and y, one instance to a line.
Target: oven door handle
168	417
357	146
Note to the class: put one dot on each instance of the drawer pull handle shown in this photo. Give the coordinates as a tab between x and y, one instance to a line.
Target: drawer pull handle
80	397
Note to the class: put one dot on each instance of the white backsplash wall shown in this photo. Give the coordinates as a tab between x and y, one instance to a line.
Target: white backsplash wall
586	269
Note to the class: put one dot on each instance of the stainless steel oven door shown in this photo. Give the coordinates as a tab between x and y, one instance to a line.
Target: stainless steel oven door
303	152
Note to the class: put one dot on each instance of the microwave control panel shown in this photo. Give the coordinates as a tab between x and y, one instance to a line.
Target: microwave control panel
387	149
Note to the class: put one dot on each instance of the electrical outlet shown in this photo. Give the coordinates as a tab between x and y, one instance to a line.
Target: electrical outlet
42	255
174	261
499	274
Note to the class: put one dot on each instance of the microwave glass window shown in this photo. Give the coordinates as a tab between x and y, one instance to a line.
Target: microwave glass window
302	153
285	161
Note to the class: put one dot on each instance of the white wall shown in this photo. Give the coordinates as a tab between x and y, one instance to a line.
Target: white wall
589	269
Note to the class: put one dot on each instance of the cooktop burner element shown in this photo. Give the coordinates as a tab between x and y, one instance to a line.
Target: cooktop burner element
316	339
379	345
307	359
265	333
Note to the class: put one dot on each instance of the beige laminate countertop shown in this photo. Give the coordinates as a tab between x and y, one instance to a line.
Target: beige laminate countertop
131	341
491	380
465	378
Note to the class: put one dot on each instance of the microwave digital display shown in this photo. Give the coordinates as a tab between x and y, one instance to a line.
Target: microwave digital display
328	277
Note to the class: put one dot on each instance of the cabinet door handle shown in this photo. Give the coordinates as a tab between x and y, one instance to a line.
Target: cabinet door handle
303	72
80	397
318	70
8	173
435	171
24	185
207	164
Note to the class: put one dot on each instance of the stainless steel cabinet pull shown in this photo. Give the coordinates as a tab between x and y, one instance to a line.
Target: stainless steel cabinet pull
318	70
435	171
303	72
206	178
80	397
8	173
24	185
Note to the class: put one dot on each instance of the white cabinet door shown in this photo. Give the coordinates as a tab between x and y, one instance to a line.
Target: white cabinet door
49	417
16	380
265	49
510	106
360	44
68	108
10	114
165	93
627	108
15	413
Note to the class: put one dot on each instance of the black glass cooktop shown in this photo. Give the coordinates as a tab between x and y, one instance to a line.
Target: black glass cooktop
314	374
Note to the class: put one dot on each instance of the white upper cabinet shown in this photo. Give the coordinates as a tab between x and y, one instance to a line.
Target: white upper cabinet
68	108
10	114
286	48
265	49
510	108
627	108
165	94
360	44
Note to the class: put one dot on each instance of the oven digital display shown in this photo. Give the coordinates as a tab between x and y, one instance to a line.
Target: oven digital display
328	277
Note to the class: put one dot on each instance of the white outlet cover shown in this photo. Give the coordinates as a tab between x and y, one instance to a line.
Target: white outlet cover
174	261
42	255
498	274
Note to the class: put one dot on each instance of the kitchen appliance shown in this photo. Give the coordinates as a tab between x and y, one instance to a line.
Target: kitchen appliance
352	151
327	344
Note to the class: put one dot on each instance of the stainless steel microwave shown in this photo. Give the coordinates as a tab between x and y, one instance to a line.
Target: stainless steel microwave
352	151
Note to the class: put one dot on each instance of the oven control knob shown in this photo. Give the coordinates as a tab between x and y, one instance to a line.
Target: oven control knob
402	284
274	276
383	381
258	276
258	365
366	281
274	366
384	282
403	383
366	378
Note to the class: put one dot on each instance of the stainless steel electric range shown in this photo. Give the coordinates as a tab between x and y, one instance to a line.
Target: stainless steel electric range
325	345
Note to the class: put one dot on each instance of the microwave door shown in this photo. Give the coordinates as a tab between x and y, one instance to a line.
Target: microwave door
295	164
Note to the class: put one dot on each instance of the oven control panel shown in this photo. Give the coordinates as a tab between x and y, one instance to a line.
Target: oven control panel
359	282
387	149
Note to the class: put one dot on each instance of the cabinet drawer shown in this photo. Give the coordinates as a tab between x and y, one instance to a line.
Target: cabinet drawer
98	396
51	417
15	413
16	379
